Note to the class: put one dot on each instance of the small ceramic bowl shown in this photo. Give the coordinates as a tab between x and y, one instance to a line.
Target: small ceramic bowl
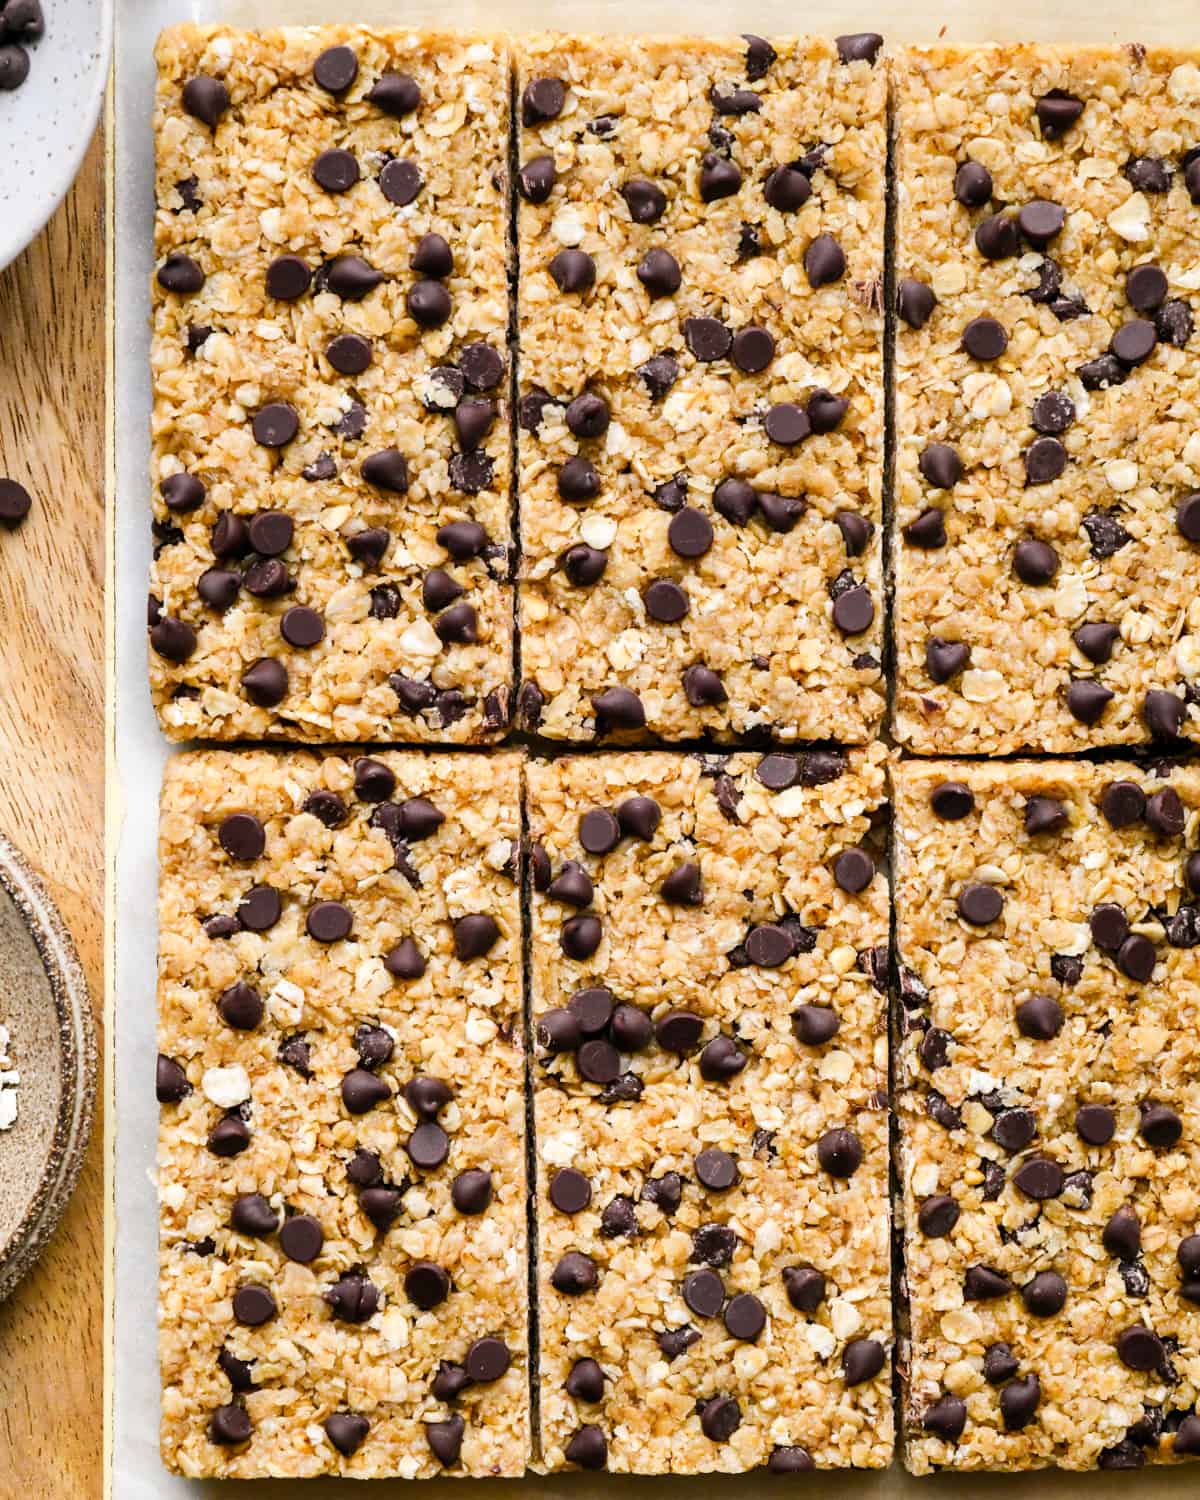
44	1004
47	123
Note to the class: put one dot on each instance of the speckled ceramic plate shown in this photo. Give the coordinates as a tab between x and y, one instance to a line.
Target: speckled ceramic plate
46	124
45	1005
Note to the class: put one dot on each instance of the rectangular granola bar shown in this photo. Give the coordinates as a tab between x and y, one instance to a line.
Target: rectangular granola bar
1048	921
341	1152
710	1101
1047	454
331	454
700	228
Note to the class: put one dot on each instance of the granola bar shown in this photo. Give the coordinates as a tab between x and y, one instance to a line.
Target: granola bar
1048	459
341	1154
331	459
1048	918
700	227
708	977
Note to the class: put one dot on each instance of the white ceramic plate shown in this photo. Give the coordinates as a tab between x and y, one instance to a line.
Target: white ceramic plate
46	124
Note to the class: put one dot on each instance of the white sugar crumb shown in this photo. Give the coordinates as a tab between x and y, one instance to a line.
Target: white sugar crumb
10	1080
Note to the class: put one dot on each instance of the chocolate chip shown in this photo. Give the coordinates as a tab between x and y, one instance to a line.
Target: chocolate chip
856	531
543	99
474	936
1134	342
362	1091
241	1006
805	1287
937	1215
396	95
205	98
335	70
1040	221
1174	323
536	179
719	177
944	660
999	1364
1095	1124
1045	460
445	1439
1034	562
1040	1018
428	303
1160	1127
574	1274
471	1191
940	465
618	708
1045	815
1101	373
1147	174
915	302
665	601
630	1028
854	610
1096	641
1087	699
170	1081
946	1418
707	338
335	170
984	339
588	1448
348	276
1123	803
585	1382
578	480
702	686
982	1284
1039	1178
952	800
253	1304
753	349
229	1425
1045	1295
853	870
328	922
720	1418
1019	1400
275	425
400	182
862	1360
678	1031
619	1219
1187	518
840	1152
998	237
659	374
219	588
1014	1129
1162	713
682	885
1053	412
928	531
573	271
301	1238
860	46
1057	111
745	1317
973	184
824	261
346	1430
676	1341
814	1025
426	1284
260	908
666	1192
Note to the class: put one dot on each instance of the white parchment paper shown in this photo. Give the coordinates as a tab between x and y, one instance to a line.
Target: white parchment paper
136	1472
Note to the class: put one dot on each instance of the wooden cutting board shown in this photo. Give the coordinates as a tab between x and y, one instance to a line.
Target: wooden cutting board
52	623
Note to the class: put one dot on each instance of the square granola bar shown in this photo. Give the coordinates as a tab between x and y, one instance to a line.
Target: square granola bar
710	1104
1047	397
341	1153
1048	921
700	228
331	453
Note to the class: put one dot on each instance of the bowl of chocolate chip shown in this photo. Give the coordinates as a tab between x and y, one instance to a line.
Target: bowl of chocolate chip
53	69
47	1066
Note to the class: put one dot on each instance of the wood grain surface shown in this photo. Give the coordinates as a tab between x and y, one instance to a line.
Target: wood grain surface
52	369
